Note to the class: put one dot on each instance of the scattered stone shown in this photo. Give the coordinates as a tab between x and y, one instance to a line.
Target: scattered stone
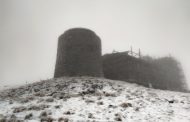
73	87
182	102
29	116
63	119
68	112
30	98
89	101
109	94
49	100
118	119
96	99
19	109
39	94
97	86
14	120
60	96
40	100
47	119
100	97
24	101
49	112
171	101
51	94
100	103
10	102
13	116
88	91
125	105
43	106
37	108
36	90
90	115
43	114
57	106
137	109
112	106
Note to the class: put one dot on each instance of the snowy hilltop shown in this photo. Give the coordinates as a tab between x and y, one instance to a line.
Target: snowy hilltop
80	99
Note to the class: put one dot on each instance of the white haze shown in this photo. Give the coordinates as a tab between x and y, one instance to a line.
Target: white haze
29	31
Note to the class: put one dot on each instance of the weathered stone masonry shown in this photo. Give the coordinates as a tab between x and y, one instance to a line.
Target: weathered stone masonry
79	54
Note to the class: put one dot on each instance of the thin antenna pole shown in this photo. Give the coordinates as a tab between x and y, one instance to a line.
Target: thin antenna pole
131	51
139	53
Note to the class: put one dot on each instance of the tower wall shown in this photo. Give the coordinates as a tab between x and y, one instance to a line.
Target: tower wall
78	54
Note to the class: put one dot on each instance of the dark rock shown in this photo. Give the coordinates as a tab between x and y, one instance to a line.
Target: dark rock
118	119
171	101
112	106
43	114
89	101
29	116
19	109
49	100
10	102
37	108
68	112
90	115
36	90
47	119
57	106
39	94
100	103
63	119
109	94
125	105
13	116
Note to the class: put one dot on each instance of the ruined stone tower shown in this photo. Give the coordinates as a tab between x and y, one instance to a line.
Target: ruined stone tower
78	54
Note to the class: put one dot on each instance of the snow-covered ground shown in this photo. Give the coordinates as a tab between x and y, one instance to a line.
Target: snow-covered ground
92	99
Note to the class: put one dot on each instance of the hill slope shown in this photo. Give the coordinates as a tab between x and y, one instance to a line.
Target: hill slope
92	99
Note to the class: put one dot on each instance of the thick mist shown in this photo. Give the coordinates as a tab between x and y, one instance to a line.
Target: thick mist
29	32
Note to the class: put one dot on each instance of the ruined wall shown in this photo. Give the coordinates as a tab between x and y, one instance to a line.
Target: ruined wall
161	73
78	54
120	66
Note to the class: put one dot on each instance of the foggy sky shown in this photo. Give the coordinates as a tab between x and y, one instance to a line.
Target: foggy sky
29	30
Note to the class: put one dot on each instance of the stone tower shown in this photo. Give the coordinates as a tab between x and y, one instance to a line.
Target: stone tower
79	54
